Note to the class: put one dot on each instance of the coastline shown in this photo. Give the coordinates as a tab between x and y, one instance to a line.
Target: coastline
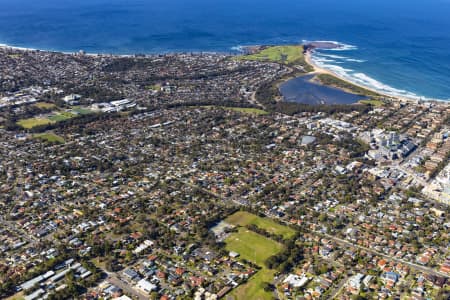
100	54
307	55
320	70
6	46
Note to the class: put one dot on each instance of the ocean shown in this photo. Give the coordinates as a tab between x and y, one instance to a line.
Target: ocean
398	47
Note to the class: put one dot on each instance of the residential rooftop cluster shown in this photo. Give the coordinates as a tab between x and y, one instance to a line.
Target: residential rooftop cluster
123	196
150	80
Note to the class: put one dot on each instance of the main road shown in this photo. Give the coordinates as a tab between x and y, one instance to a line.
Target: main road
125	287
389	257
13	227
336	239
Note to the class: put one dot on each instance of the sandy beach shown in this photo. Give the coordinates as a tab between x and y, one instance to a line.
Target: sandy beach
319	70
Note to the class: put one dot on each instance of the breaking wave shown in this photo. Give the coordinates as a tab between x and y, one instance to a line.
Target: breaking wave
362	79
333	63
238	48
331	56
337	58
332	45
355	60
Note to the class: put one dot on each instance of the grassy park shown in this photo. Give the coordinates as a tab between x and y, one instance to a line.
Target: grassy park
288	55
245	110
253	288
154	87
376	103
252	246
61	116
257	249
53	117
243	218
49	137
33	122
45	105
81	111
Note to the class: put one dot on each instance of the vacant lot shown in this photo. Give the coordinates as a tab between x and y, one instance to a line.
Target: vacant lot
243	218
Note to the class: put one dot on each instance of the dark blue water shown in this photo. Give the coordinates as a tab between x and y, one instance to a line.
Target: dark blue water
302	90
401	46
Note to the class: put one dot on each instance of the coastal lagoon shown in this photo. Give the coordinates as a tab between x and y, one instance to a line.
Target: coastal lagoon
396	47
303	90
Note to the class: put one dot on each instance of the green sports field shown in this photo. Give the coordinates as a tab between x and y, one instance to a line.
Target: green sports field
61	116
54	117
257	249
81	111
32	122
253	289
252	246
243	218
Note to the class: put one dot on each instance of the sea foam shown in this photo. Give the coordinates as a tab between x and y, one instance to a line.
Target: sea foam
338	46
331	63
238	48
331	56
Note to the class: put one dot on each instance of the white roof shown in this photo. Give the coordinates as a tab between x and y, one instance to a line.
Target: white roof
234	254
295	280
146	286
35	294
